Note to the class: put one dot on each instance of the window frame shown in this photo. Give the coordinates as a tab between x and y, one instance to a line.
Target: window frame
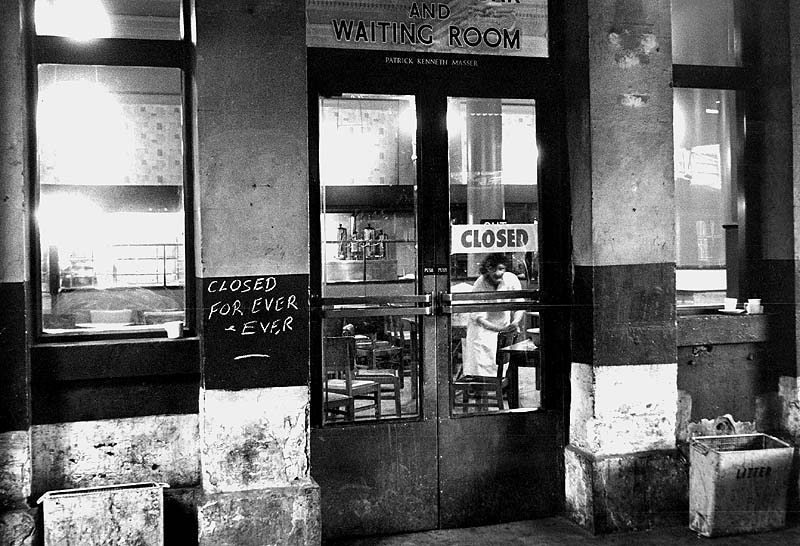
740	79
117	52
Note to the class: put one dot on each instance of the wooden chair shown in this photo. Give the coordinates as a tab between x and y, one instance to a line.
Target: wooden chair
383	366
342	388
475	391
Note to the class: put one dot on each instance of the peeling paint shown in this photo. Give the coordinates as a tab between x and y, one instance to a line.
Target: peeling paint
633	100
788	395
161	448
631	50
282	515
624	409
17	528
15	468
254	438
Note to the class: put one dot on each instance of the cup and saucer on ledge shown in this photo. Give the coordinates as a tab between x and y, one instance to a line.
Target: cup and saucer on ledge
730	307
752	307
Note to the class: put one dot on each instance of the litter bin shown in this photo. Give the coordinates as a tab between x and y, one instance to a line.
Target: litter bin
738	483
116	514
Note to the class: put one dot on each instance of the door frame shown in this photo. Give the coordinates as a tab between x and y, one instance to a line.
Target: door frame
334	72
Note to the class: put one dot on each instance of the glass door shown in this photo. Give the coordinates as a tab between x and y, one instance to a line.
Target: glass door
499	445
374	444
437	395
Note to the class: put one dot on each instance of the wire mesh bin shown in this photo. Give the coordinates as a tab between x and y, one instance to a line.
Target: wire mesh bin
118	514
738	483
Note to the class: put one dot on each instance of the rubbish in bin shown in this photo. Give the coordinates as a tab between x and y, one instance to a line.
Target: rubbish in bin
738	483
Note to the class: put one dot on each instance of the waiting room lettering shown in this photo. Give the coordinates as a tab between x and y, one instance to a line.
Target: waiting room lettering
501	27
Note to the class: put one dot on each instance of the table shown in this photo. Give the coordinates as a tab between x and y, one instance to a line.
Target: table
522	354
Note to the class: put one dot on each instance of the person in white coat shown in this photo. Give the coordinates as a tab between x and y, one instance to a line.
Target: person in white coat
480	346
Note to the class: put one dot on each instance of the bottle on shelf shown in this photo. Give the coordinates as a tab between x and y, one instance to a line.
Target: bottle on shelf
369	242
354	250
381	246
341	240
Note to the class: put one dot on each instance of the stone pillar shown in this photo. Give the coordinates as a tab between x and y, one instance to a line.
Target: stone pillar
252	218
16	520
622	470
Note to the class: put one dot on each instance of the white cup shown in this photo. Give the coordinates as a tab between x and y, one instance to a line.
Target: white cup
174	328
754	306
730	304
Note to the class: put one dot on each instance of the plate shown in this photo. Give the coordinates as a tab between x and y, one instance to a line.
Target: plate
732	311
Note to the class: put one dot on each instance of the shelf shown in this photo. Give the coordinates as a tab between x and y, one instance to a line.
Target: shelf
349	198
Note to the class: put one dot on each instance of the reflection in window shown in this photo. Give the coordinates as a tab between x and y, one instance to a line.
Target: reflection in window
90	19
706	32
110	216
706	155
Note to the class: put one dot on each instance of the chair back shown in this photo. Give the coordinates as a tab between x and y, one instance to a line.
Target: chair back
339	358
504	339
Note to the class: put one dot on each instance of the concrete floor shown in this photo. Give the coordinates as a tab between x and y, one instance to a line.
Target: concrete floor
560	532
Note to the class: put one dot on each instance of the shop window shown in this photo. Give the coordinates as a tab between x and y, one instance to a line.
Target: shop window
112	166
708	120
707	148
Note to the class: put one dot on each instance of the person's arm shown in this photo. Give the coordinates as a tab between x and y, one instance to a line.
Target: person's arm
519	315
481	321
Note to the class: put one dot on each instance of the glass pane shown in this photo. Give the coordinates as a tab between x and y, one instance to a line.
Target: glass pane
369	235
89	19
706	32
494	215
111	218
707	145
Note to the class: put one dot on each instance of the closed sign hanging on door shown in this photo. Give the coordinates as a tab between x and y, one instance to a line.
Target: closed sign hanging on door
483	238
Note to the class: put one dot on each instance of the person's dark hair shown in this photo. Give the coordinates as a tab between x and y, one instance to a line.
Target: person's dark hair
491	261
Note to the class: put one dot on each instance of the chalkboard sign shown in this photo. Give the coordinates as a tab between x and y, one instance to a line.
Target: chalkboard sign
255	331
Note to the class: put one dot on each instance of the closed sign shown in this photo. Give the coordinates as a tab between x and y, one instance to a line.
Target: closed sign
485	238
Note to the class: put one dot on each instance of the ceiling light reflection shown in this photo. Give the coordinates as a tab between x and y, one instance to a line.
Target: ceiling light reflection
77	19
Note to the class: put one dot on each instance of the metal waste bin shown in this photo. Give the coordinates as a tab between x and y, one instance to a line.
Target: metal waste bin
738	483
116	514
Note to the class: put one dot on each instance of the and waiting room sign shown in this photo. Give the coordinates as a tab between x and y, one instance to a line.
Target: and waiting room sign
486	238
484	27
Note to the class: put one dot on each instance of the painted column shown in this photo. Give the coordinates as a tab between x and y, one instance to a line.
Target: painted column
621	467
253	264
16	520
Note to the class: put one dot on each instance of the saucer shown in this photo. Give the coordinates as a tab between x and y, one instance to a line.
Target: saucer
732	311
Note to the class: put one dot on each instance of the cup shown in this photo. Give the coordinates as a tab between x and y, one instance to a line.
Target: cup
174	328
730	304
754	306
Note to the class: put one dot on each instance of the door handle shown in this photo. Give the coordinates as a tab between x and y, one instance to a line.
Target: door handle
469	302
374	306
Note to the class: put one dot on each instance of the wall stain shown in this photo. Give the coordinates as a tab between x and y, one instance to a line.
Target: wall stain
631	50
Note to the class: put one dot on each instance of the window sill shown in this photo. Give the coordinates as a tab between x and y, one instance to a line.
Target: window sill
87	360
716	328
